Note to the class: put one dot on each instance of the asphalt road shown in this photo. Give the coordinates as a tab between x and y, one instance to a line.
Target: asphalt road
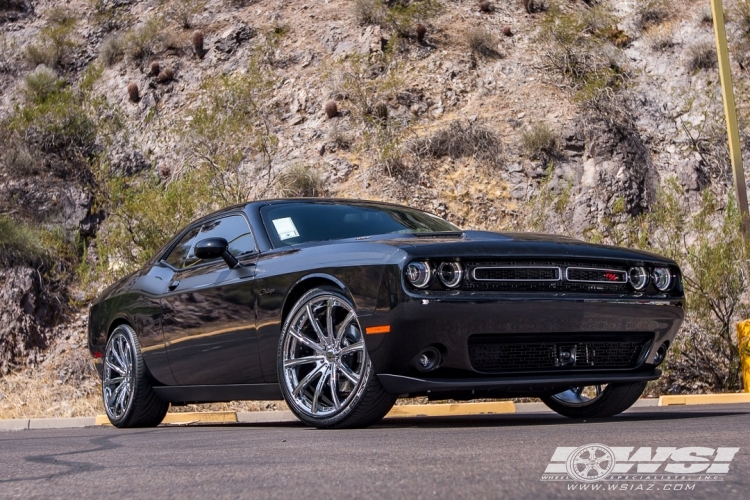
502	456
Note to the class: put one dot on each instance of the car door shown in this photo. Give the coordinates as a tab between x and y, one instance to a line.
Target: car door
208	318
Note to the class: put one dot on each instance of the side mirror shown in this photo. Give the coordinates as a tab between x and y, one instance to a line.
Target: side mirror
213	248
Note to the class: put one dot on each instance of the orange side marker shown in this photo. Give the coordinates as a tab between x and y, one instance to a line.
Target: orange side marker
378	329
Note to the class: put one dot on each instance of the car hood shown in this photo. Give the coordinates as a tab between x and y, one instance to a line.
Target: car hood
482	244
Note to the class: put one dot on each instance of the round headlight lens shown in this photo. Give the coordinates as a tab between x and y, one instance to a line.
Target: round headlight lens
419	274
662	278
638	277
451	274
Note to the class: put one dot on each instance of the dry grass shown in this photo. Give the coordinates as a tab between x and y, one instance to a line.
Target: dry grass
460	140
653	12
661	37
702	55
540	141
301	181
483	43
37	394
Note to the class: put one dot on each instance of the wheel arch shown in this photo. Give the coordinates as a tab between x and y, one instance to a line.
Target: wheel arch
306	284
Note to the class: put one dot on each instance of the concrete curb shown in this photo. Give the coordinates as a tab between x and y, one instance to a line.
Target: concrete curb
541	407
402	411
61	423
444	410
17	424
704	399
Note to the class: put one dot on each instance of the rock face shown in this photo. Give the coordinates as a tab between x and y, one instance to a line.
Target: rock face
26	318
616	175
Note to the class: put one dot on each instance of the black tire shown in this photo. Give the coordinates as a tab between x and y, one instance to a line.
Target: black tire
361	403
131	402
613	399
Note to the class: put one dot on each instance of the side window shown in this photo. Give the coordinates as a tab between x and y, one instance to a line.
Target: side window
234	229
176	257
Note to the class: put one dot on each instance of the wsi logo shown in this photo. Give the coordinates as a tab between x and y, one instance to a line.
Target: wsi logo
598	462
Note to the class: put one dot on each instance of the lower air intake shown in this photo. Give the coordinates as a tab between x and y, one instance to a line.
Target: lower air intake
502	353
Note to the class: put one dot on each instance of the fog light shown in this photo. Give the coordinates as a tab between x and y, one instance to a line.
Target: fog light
450	274
662	278
638	277
419	274
661	353
428	359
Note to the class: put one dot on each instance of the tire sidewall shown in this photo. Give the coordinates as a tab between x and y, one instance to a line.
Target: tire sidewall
366	375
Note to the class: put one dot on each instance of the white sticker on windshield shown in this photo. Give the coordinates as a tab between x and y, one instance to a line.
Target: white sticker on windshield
286	228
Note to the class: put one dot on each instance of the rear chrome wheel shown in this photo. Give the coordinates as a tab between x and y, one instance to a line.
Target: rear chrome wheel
128	397
325	373
603	400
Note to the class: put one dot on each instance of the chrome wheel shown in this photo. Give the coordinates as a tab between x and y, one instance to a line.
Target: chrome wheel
323	356
118	380
580	396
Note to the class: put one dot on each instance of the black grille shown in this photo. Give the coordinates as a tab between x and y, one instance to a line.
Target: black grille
596	275
517	273
520	276
502	353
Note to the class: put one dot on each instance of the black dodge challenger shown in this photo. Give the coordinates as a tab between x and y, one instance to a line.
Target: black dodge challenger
341	306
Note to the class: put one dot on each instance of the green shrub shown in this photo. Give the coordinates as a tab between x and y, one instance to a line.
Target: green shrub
20	245
58	124
145	40
397	17
41	84
54	42
142	214
183	11
586	58
369	11
238	107
112	50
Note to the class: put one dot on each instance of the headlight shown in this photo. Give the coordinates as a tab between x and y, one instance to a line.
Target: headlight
419	274
662	278
450	274
638	277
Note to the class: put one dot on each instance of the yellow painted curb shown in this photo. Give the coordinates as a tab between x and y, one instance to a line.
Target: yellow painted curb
704	399
442	410
216	417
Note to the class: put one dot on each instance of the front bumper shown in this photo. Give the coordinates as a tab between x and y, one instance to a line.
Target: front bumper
417	322
530	384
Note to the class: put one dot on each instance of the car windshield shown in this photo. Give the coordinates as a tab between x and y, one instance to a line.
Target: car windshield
295	223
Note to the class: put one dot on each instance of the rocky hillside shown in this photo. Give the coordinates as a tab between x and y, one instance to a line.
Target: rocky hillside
121	120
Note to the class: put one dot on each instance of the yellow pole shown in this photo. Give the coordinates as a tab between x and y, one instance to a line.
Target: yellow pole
730	113
743	340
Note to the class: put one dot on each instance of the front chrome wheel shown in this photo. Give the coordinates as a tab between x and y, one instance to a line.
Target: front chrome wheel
324	359
118	380
580	396
601	400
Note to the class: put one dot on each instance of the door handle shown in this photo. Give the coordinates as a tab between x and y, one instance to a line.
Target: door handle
173	284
